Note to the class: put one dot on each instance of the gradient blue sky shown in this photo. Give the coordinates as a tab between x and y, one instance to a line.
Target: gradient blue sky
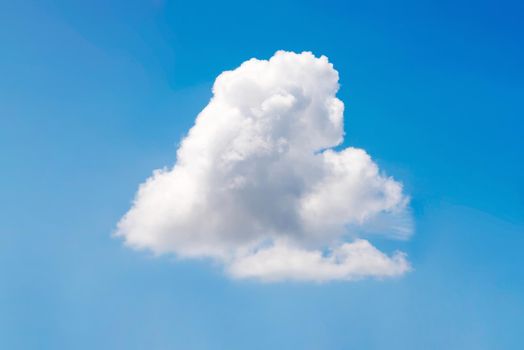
96	94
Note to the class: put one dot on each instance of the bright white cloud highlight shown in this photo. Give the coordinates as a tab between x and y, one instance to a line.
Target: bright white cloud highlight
258	186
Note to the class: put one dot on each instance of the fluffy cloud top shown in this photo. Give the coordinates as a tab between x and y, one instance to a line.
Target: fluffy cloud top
258	186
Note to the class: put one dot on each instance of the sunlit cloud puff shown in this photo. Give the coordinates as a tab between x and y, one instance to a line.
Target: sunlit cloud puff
258	187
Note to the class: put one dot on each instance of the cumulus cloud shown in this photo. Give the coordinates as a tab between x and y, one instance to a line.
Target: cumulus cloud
347	261
258	186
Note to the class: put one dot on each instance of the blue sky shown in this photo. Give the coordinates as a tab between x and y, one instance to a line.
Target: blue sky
94	95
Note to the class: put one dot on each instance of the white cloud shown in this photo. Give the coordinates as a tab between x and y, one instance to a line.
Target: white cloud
258	186
348	261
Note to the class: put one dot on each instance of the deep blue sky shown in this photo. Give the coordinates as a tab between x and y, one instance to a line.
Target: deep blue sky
96	94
